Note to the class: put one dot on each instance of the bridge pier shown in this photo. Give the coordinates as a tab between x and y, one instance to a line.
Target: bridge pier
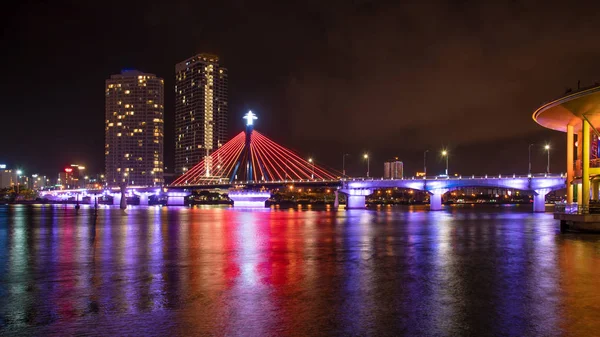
336	202
249	198
355	197
116	198
435	199
176	198
539	200
355	202
144	199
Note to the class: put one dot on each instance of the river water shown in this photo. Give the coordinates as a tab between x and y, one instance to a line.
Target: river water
219	271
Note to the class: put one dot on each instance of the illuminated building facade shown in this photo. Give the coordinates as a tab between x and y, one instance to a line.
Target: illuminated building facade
65	179
8	178
200	111
578	115
393	169
134	129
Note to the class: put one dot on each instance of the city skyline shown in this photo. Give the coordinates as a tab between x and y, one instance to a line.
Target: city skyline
431	88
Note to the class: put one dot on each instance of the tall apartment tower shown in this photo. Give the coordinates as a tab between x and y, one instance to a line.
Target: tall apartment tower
134	129
200	110
393	169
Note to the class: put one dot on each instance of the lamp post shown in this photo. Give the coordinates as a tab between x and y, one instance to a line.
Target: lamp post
312	174
19	172
547	147
425	163
529	171
445	154
344	165
366	156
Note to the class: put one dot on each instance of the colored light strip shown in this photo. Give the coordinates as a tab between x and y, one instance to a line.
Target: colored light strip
270	153
304	162
269	161
193	175
301	168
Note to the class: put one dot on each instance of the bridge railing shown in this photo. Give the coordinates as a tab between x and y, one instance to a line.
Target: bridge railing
574	208
349	179
444	177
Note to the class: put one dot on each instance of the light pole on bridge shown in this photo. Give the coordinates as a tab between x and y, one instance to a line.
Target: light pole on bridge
529	171
547	147
366	156
445	154
312	174
344	165
425	163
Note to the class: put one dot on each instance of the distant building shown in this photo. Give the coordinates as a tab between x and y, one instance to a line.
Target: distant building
200	110
39	182
77	176
8	178
134	129
66	178
393	169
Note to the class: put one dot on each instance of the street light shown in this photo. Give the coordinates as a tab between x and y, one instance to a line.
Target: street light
445	154
366	156
344	165
425	163
19	173
529	172
312	175
547	147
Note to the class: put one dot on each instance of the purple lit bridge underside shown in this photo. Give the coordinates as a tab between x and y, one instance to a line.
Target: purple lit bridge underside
356	190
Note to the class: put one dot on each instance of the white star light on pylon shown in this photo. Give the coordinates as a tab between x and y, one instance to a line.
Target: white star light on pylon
250	117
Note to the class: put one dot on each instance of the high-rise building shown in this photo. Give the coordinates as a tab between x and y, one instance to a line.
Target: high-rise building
200	110
393	169
134	129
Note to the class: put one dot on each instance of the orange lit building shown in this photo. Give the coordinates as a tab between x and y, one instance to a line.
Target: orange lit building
578	115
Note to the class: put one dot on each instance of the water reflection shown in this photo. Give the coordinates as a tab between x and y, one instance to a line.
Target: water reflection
221	271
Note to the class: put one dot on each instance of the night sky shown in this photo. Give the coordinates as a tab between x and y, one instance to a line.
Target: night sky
325	78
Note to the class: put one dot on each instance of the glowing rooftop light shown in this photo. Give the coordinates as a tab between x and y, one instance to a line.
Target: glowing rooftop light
250	117
19	172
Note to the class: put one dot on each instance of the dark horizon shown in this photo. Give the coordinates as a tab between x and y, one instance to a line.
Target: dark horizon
324	78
